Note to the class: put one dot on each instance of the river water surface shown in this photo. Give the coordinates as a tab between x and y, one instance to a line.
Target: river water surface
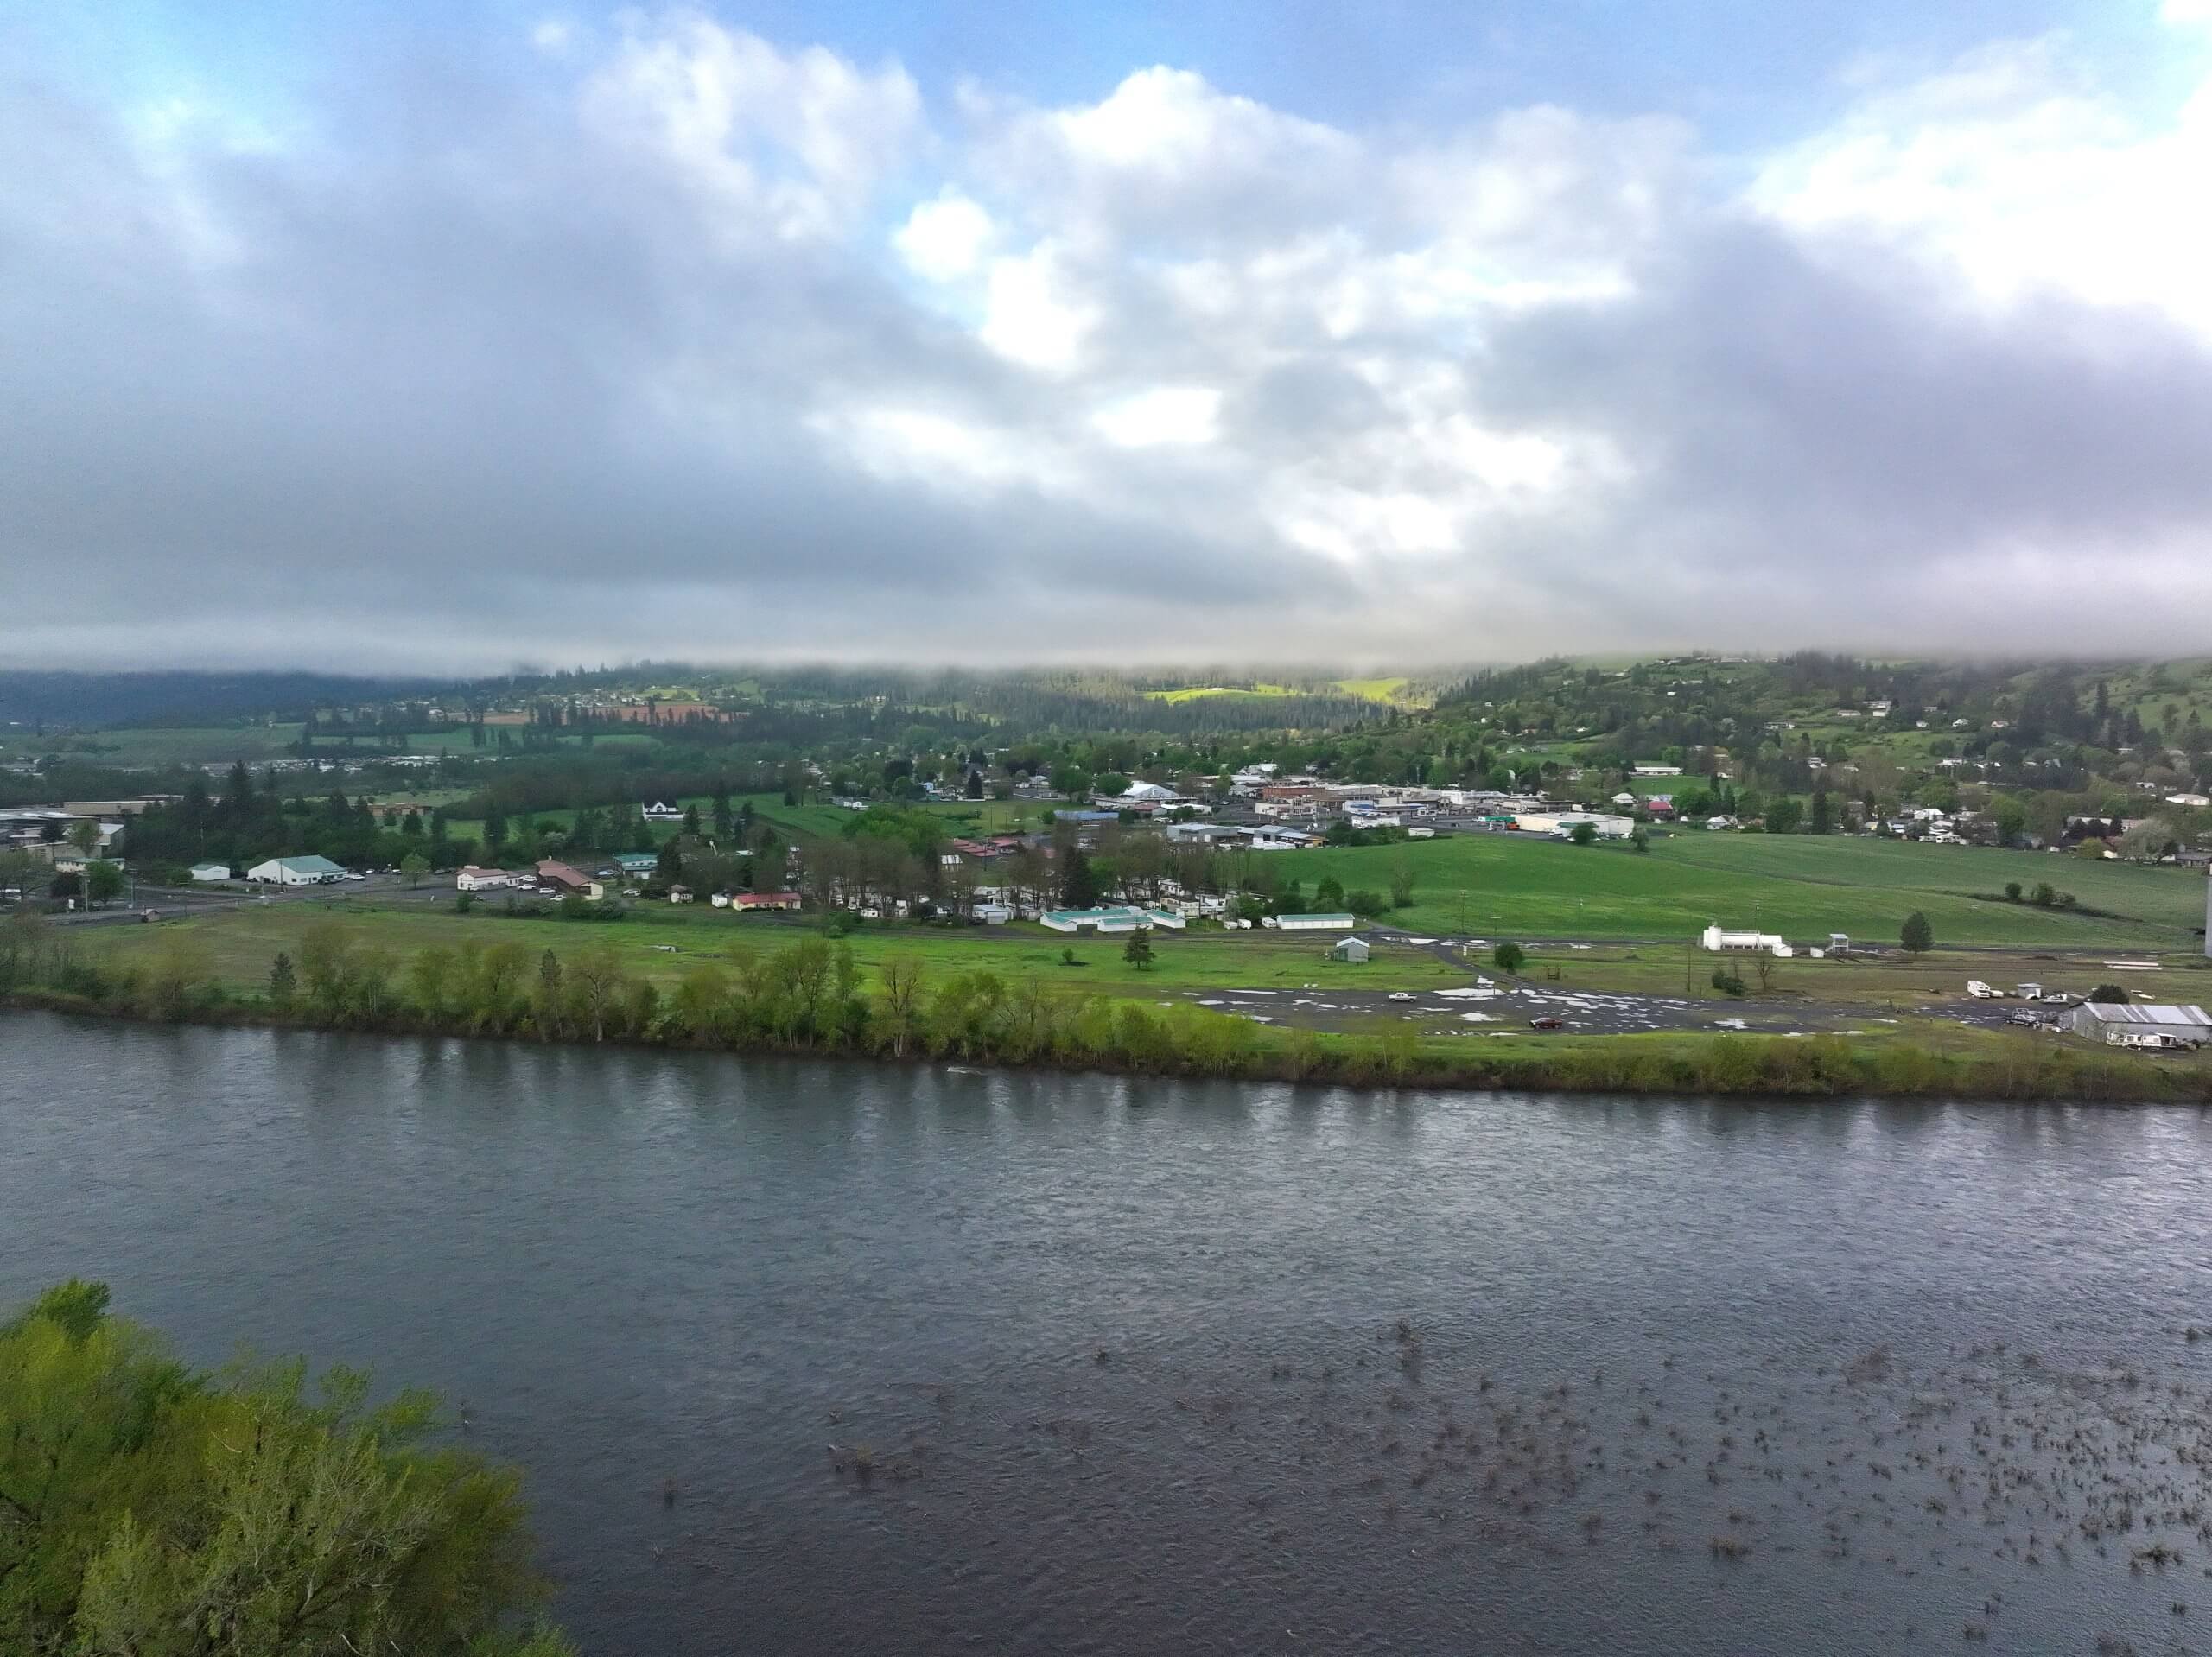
944	1362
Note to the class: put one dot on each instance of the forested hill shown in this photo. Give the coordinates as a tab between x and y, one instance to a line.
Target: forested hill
1651	709
92	701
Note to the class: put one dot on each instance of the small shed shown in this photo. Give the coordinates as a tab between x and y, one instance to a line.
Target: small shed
1353	950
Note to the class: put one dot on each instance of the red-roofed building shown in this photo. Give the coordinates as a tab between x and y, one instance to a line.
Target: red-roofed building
743	901
551	873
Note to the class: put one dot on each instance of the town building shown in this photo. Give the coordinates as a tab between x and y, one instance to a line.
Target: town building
2141	1024
310	871
745	903
472	879
1111	917
1335	921
564	877
1720	941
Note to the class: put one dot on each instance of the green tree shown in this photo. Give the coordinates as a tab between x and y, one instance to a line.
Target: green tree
1329	895
495	827
158	1511
414	865
1639	841
103	883
1138	950
1508	957
2011	891
1078	881
284	982
1584	834
1917	937
1783	816
1822	819
1401	885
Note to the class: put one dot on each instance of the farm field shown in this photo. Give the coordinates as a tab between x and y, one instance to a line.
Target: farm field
662	945
1505	886
151	748
1883	983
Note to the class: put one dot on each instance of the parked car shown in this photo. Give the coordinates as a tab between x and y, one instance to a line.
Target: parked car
1401	995
1547	1021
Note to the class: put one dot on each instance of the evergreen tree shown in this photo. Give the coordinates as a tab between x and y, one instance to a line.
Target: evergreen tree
1821	820
1138	950
1078	881
1918	937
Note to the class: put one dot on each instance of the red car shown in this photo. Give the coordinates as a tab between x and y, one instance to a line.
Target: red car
1549	1021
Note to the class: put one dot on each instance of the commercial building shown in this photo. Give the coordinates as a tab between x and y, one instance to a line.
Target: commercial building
1721	941
1337	921
209	873
1111	917
309	871
2141	1024
472	879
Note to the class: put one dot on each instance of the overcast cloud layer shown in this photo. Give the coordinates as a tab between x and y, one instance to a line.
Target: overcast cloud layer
680	342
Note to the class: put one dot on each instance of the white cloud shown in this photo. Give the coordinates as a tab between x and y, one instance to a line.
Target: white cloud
798	140
1173	415
2028	183
946	237
1036	313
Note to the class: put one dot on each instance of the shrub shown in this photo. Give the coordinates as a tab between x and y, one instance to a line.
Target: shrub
1508	957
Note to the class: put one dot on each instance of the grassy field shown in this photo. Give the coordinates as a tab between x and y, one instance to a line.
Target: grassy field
184	746
1802	887
660	942
1242	693
1398	692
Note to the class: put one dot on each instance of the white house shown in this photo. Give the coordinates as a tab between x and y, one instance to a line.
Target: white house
472	879
1658	770
309	871
661	811
994	914
1721	942
208	873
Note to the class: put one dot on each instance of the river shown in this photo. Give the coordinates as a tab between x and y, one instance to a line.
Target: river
1149	1367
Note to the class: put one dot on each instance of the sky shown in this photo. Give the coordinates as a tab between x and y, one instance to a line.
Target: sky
415	337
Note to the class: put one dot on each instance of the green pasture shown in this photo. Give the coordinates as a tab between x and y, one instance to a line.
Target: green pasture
152	749
1800	886
662	941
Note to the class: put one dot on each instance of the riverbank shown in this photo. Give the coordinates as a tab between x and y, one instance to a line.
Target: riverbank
1184	1043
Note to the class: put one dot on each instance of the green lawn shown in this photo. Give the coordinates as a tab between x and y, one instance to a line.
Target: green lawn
244	941
185	746
1796	885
